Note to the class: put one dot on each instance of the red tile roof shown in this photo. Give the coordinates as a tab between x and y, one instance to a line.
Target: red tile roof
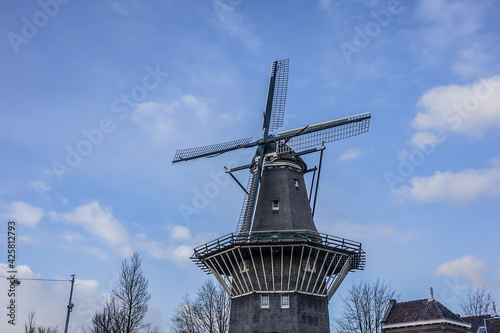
419	310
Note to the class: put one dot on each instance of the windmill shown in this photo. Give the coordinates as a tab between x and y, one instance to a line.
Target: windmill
279	271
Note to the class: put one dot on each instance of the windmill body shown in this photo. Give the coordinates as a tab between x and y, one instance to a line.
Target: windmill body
279	271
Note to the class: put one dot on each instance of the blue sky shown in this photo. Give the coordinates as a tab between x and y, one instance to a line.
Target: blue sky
97	96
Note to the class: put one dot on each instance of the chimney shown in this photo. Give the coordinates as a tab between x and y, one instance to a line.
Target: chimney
432	295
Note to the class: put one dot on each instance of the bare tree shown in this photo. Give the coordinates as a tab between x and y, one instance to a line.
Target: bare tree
365	305
477	302
31	327
132	294
185	321
125	311
208	313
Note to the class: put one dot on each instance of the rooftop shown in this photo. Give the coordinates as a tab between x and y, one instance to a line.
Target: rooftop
419	312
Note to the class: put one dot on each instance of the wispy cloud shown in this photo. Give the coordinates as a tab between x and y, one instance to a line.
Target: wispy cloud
180	233
453	28
100	253
156	118
197	106
235	24
469	266
458	187
179	250
24	213
117	8
449	19
40	186
99	222
72	236
178	254
350	154
159	119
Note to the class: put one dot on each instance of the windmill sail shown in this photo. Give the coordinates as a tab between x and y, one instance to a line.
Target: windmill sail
318	134
244	222
182	155
276	95
279	95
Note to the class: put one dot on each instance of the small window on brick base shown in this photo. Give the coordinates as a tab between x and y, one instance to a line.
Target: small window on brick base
276	205
285	301
264	301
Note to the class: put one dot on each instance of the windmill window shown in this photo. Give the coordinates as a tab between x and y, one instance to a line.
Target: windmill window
276	205
296	182
285	301
264	301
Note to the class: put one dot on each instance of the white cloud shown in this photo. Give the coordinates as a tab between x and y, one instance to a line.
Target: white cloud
156	118
24	213
466	109
40	186
43	297
420	139
179	255
459	187
235	25
469	266
472	60
96	252
117	8
449	20
495	161
200	109
100	222
451	36
159	119
180	232
156	249
72	236
349	155
227	119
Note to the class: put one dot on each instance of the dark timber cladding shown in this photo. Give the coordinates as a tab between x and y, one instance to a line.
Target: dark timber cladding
279	271
282	184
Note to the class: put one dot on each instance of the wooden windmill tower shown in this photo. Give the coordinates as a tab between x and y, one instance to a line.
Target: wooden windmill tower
279	271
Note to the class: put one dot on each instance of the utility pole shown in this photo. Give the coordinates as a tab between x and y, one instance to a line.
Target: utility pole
70	305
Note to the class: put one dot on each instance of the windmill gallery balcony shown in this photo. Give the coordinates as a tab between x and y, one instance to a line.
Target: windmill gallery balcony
296	261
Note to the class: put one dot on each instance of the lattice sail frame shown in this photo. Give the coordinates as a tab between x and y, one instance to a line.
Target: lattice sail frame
248	202
279	95
280	262
323	133
210	150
